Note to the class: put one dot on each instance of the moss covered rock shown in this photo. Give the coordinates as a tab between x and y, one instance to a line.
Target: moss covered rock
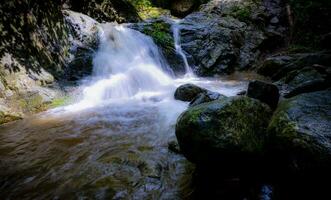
299	133
230	131
160	30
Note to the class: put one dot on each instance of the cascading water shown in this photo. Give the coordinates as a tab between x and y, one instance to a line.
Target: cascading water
179	50
127	65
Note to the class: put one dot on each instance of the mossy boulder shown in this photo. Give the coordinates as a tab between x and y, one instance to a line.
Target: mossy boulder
229	131
299	134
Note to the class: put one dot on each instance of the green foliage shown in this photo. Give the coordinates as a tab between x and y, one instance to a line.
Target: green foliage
147	10
242	13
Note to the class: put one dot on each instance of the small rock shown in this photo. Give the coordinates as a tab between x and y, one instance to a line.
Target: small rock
274	20
174	146
188	92
265	92
242	93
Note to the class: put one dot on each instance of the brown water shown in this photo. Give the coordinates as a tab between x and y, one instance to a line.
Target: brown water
112	151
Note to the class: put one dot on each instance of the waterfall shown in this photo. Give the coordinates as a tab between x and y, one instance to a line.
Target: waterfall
178	47
127	65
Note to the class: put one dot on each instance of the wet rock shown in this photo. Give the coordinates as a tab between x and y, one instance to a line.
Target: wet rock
84	42
174	146
229	131
308	79
278	67
224	35
188	92
273	64
242	93
160	30
299	134
206	97
265	92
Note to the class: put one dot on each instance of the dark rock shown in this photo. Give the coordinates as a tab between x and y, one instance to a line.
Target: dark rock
278	67
326	41
229	131
273	64
299	134
242	93
308	79
223	36
206	97
105	10
188	92
265	92
309	86
174	146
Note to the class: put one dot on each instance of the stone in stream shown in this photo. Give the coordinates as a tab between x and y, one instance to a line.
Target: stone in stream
206	97
229	131
299	134
265	92
188	92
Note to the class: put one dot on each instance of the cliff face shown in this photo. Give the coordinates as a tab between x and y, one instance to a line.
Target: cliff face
33	52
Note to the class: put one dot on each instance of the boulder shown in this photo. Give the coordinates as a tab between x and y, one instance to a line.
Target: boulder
206	97
188	92
84	39
224	35
229	131
278	67
299	135
265	92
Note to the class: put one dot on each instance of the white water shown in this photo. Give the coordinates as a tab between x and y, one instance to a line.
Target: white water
129	71
179	50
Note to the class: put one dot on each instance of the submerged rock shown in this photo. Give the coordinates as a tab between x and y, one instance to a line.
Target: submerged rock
299	134
265	92
229	131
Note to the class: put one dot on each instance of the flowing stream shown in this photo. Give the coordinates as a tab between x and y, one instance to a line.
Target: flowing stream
112	143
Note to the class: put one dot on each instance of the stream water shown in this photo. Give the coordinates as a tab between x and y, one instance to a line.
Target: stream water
112	143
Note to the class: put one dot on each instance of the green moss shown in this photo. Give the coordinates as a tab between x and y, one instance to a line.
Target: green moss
60	101
242	13
161	34
146	10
